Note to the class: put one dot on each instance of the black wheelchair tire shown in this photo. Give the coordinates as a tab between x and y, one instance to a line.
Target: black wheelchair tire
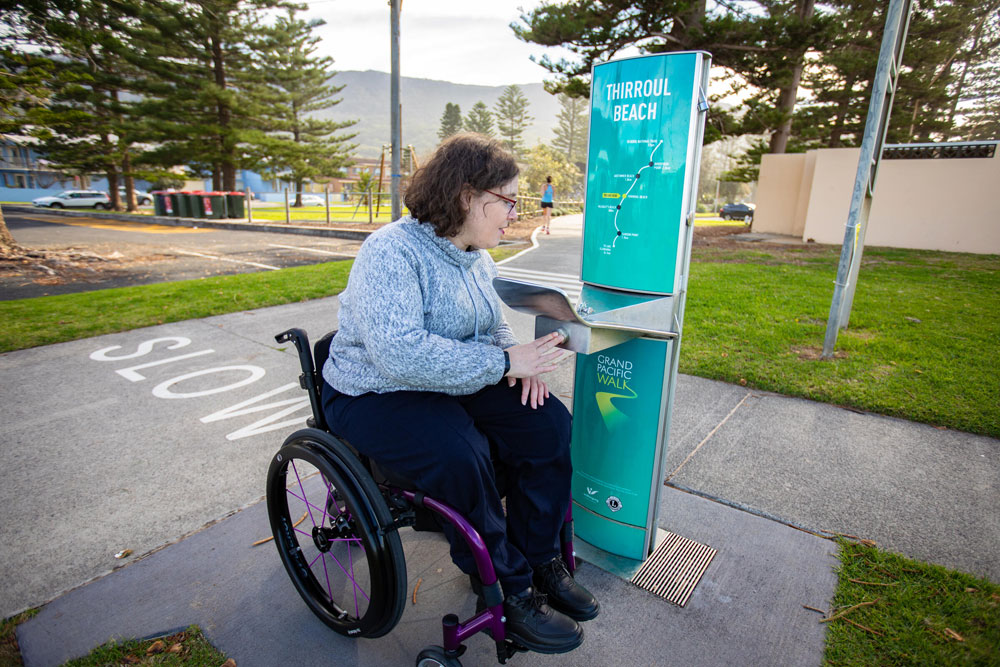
370	521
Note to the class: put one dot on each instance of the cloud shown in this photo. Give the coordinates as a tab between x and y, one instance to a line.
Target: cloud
450	40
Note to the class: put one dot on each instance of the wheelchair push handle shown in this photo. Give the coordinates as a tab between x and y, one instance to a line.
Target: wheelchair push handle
301	340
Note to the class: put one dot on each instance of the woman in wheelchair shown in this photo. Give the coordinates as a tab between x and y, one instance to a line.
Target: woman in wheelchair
425	377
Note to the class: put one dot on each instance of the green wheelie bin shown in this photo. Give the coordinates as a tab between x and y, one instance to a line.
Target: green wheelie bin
213	204
235	205
179	204
159	203
196	206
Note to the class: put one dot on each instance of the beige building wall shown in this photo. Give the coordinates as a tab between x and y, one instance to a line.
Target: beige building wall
933	204
805	192
830	198
778	186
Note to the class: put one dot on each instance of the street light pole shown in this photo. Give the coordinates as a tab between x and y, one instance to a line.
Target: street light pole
395	112
897	23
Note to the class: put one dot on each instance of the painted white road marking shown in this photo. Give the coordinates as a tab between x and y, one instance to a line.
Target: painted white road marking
144	348
224	259
131	373
315	250
165	390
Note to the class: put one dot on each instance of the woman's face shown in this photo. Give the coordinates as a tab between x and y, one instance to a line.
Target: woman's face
488	215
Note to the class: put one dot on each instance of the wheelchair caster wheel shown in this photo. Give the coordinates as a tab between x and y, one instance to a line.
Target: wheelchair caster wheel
435	656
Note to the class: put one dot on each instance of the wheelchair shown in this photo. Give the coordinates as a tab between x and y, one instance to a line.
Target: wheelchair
335	517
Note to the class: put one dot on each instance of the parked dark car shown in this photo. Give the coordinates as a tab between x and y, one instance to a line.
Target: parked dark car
742	212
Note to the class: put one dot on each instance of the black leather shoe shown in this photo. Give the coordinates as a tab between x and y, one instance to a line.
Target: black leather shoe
536	626
564	593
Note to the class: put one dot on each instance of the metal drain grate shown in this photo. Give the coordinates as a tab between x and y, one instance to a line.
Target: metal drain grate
674	568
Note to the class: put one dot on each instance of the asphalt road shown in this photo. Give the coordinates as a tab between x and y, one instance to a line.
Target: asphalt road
108	253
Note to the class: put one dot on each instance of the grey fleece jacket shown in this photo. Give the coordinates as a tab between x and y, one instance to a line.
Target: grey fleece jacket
418	314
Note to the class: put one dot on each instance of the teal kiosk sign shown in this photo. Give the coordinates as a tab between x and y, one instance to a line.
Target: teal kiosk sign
646	127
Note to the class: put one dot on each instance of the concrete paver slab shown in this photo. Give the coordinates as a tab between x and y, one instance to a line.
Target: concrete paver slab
747	609
928	493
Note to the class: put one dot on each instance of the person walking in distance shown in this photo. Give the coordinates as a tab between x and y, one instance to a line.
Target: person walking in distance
547	194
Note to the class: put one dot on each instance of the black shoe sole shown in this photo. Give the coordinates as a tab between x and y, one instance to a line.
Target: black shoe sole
543	648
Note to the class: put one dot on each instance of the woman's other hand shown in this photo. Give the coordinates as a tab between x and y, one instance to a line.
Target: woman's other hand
532	388
530	360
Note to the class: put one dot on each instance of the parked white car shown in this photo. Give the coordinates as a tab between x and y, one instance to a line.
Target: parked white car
311	200
75	199
142	198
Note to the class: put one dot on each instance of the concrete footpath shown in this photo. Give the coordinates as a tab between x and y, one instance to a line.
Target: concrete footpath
128	440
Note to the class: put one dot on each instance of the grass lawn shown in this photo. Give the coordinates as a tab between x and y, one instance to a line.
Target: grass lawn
183	648
921	346
10	652
53	319
922	343
889	610
45	320
318	214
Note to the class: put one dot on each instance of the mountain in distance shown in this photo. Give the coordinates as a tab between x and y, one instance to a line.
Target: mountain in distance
365	98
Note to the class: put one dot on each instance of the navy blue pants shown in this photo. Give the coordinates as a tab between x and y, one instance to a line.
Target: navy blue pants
442	443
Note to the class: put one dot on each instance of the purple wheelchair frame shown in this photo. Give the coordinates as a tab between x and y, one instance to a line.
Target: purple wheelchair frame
490	619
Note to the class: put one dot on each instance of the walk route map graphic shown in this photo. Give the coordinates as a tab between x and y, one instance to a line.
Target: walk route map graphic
640	127
618	209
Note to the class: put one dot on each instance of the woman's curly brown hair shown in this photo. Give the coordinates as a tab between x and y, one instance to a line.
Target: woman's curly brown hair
463	161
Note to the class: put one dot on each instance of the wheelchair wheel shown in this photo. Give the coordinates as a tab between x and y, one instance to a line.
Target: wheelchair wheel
334	534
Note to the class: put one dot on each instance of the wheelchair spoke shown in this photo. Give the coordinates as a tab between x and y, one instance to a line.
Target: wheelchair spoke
350	575
329	589
350	555
340	553
308	504
301	488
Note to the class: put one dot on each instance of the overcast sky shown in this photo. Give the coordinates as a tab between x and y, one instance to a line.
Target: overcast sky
463	41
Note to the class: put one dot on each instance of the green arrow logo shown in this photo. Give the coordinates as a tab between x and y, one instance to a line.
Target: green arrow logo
613	417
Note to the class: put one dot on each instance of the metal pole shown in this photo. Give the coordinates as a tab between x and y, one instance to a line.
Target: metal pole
326	191
249	210
396	112
876	124
288	213
381	178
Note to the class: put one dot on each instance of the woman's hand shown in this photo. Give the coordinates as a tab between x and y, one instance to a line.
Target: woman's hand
529	360
539	356
533	388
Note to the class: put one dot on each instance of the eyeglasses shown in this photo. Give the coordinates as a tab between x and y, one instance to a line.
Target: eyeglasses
512	202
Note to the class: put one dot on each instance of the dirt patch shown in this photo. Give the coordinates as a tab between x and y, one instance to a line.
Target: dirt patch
27	271
815	353
708	235
522	229
51	266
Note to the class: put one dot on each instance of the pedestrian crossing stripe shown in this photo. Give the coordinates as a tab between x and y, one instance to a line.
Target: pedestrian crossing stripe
564	281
